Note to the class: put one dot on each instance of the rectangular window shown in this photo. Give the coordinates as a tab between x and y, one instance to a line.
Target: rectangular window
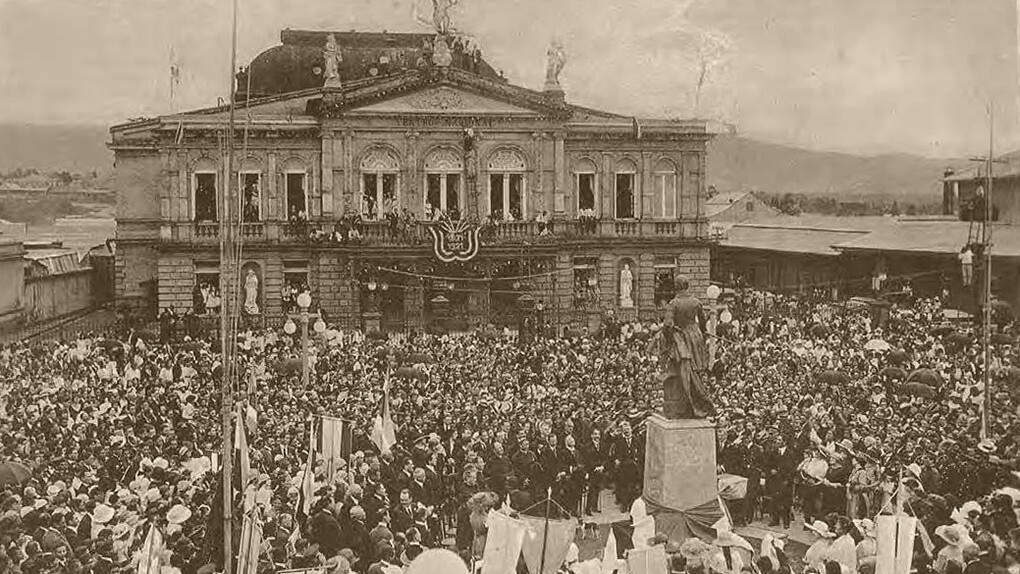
452	204
664	203
296	200
205	197
624	195
206	295
516	203
665	271
295	282
433	193
586	286
442	193
496	196
251	192
379	194
585	192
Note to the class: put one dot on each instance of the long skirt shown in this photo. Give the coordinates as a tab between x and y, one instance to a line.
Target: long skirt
684	393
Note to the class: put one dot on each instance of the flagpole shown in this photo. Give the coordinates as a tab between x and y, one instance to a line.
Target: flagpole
986	416
225	269
545	531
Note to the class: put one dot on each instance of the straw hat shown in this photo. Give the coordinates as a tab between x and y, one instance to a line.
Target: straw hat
820	528
728	539
102	514
178	514
953	534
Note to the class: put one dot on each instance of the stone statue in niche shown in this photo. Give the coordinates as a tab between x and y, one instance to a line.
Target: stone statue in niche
332	58
683	357
626	287
556	59
251	293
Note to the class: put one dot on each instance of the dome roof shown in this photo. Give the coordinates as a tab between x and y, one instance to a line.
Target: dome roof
298	63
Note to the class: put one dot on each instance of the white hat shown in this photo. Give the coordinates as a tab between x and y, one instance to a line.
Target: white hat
820	528
970	507
102	514
161	462
121	529
953	534
866	526
915	469
152	495
178	514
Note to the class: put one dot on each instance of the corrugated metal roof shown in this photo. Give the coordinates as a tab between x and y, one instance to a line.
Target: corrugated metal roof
48	262
1010	169
785	239
936	237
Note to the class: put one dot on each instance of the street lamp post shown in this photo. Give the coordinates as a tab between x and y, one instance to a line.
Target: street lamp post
304	301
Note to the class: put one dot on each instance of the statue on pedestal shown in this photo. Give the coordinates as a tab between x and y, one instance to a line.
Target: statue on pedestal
683	357
251	293
626	287
332	58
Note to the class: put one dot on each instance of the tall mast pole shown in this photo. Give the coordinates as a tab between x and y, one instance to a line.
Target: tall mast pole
226	269
986	415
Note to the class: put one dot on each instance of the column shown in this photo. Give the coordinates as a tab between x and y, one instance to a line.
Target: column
328	161
350	202
559	191
272	207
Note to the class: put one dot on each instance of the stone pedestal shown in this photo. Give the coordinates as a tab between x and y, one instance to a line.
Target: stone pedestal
680	468
372	321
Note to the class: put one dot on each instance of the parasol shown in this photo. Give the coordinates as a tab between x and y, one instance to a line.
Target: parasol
111	344
292	365
1010	374
819	330
1002	339
419	359
943	329
192	346
925	377
411	373
958	338
13	473
893	373
918	390
877	345
147	335
898	357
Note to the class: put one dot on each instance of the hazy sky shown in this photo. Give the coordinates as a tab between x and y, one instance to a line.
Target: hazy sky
866	76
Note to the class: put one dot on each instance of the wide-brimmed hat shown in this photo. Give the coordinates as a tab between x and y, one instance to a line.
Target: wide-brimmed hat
953	534
102	514
121	529
866	526
820	528
728	539
178	514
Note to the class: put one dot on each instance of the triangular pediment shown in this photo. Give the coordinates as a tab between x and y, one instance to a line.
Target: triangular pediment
443	100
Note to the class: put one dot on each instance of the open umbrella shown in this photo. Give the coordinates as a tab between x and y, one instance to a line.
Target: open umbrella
419	359
895	373
942	329
925	377
877	345
956	314
292	365
111	345
192	346
147	335
918	390
833	377
820	331
13	473
958	338
1011	374
1002	339
898	357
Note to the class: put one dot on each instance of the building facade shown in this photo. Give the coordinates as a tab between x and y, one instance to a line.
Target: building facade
406	185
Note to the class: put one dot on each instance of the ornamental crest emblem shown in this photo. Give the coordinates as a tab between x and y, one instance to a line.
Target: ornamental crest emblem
454	240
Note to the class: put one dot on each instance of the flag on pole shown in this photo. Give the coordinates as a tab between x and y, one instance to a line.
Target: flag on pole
895	536
384	433
241	446
251	542
304	506
335	441
151	559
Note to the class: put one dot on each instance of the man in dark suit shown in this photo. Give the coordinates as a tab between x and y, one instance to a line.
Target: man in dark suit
549	466
419	490
595	456
570	476
497	470
524	463
358	539
403	513
781	465
626	467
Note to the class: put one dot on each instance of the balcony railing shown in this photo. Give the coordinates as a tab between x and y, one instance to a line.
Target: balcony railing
409	234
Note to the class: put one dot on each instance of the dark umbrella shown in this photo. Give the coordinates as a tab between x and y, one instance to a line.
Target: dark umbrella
942	330
1002	339
833	377
377	336
192	346
419	358
14	473
820	331
898	357
893	373
290	366
1011	374
111	344
147	335
958	338
918	390
925	377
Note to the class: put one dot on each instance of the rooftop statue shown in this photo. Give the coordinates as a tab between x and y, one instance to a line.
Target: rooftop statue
557	57
332	58
441	15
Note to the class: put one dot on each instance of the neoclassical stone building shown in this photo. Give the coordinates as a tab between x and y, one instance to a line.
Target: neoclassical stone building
367	166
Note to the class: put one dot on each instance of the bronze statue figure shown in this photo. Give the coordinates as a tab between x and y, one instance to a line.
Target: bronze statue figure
683	358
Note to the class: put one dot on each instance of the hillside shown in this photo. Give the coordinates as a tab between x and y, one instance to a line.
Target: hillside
55	147
734	163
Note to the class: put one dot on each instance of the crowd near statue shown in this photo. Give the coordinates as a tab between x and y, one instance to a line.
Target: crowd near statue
683	357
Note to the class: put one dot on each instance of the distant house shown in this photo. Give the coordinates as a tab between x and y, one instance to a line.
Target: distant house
11	280
737	207
961	197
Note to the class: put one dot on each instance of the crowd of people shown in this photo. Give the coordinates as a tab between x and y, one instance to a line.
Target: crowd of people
813	408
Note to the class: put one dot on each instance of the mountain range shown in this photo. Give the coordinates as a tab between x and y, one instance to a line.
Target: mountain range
734	163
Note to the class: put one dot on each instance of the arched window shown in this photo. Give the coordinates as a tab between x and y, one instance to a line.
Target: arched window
295	185
204	191
584	183
443	184
625	189
507	185
665	199
379	171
